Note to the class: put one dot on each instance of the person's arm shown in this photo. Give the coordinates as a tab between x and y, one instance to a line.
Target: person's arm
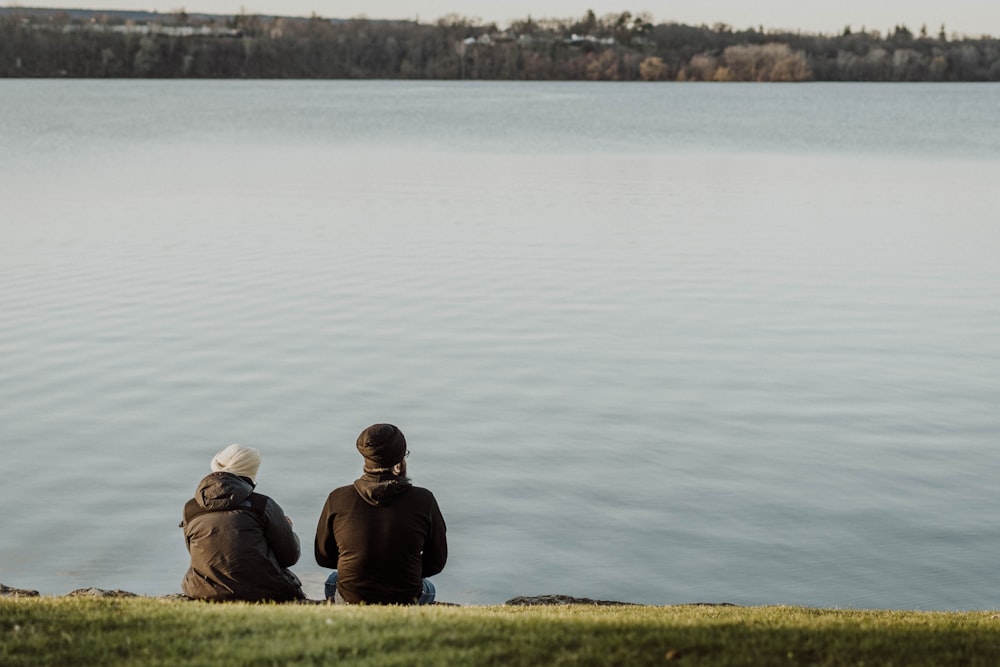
280	537
190	507
435	553
325	547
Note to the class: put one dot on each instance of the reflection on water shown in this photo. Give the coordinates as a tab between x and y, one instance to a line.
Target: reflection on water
636	357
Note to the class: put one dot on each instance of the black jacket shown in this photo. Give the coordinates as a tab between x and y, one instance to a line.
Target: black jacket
240	544
382	535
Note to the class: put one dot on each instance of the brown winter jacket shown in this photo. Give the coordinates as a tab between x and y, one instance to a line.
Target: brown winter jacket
383	536
240	544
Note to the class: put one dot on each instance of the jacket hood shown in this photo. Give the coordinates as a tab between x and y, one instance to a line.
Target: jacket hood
381	489
222	491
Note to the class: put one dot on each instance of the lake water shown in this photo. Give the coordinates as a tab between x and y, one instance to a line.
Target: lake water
660	343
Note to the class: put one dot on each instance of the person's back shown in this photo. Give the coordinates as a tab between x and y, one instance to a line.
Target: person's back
383	535
240	542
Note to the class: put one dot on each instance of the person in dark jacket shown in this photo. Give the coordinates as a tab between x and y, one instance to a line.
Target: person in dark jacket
383	535
241	543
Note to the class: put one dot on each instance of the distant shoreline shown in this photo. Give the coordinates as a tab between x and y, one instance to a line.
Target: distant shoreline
54	43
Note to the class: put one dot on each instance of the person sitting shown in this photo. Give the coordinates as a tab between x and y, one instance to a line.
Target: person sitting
241	543
383	535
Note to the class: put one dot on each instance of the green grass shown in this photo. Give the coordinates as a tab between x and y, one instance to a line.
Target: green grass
142	631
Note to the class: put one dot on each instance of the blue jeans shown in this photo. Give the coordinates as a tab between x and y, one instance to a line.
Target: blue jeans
427	592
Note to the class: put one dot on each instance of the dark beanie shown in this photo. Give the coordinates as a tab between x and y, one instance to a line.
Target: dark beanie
382	445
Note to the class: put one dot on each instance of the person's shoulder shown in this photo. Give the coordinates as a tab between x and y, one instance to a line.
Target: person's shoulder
260	497
259	502
342	491
421	492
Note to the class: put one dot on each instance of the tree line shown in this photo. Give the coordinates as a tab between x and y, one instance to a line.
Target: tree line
615	47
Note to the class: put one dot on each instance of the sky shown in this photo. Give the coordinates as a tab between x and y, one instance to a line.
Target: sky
967	17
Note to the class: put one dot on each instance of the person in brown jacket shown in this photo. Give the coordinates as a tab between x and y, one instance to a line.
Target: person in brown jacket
241	543
383	535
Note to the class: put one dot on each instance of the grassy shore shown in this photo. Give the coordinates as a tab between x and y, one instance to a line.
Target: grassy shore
144	631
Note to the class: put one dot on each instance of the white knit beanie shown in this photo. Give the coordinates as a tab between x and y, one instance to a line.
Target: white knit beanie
239	460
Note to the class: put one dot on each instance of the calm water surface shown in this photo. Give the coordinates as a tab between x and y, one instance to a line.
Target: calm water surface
661	343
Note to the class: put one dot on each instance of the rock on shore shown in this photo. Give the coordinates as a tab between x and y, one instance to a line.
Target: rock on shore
100	593
9	592
560	599
566	599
